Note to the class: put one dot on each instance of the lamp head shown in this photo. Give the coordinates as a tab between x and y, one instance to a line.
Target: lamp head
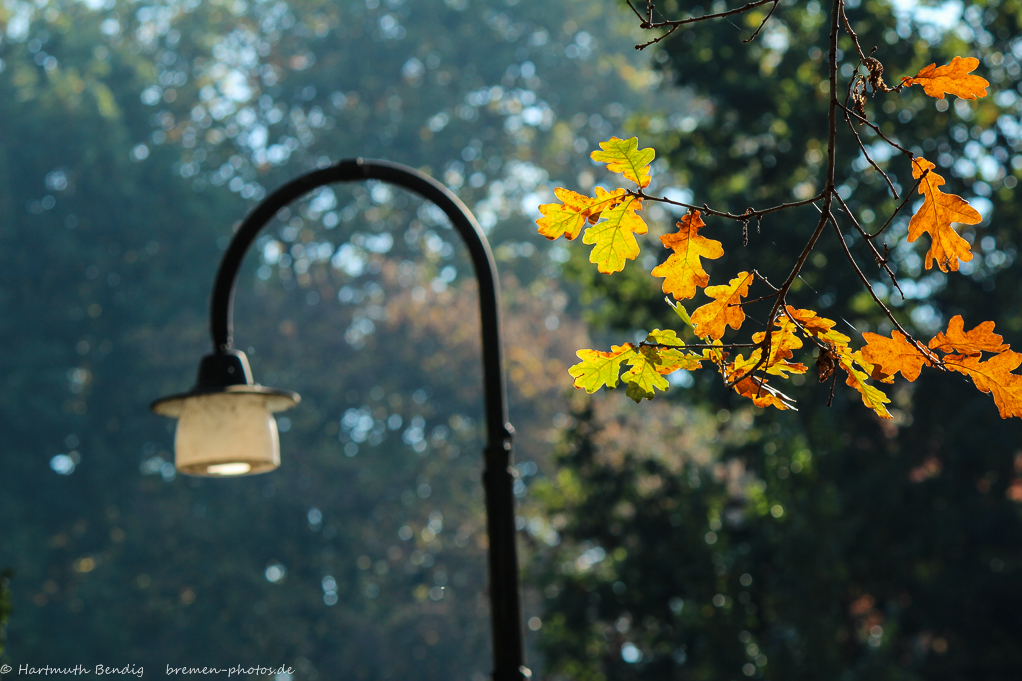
225	424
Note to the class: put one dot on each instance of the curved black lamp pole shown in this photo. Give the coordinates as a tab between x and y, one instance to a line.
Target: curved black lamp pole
505	607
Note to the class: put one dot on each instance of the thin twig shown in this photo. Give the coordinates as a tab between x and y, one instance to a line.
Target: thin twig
637	11
765	280
848	29
862	147
761	24
749	214
757	300
880	260
908	196
923	350
876	129
678	23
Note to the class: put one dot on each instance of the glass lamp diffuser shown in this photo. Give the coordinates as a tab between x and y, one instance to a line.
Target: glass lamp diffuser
225	423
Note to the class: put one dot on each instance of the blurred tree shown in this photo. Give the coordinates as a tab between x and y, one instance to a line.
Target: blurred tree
135	135
823	543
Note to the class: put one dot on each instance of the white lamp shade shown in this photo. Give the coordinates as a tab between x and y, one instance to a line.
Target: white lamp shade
226	433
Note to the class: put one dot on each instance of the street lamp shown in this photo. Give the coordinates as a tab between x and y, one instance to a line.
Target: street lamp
225	423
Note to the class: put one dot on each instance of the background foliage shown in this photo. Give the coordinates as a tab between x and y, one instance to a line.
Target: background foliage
135	135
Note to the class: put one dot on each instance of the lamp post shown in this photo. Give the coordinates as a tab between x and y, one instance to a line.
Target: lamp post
225	426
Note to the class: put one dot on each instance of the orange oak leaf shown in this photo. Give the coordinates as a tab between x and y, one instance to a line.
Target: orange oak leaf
891	355
935	216
567	218
994	376
683	270
782	342
953	78
956	339
725	310
613	239
819	327
625	157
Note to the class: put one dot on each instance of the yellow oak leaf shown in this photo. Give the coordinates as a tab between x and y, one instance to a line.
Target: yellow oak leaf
674	360
994	376
625	157
567	218
754	387
672	357
715	355
776	366
782	342
954	78
644	375
598	369
935	216
725	310
872	397
956	339
683	269
891	355
613	239
665	337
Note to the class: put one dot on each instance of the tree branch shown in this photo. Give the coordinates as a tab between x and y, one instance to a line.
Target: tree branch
674	25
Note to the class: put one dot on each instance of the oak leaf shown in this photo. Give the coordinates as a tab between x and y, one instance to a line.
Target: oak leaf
954	78
956	339
567	218
819	327
835	350
838	354
754	387
644	375
680	310
665	337
935	216
891	355
994	376
625	157
782	342
726	309
872	397
671	358
598	368
613	239
683	270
